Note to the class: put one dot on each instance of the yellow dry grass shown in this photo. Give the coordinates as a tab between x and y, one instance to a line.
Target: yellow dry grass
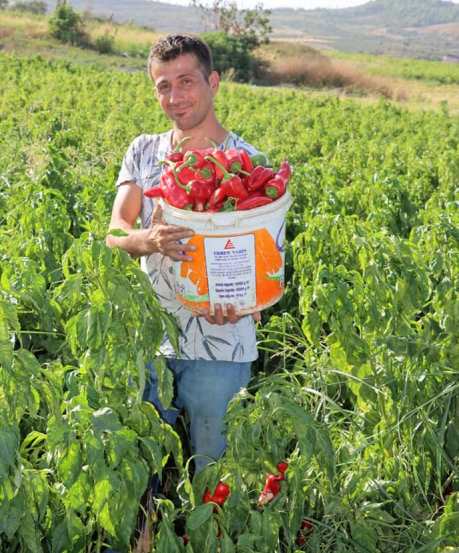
33	26
124	34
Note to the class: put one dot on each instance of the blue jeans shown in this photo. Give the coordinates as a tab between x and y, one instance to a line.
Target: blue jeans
203	389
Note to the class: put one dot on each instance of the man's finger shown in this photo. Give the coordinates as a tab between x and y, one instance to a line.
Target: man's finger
177	233
177	256
256	316
157	216
218	314
231	314
176	246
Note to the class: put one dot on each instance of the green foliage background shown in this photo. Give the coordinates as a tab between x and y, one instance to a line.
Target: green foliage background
358	382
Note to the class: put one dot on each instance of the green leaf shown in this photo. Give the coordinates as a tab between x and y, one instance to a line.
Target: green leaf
118	232
105	420
199	516
9	445
165	382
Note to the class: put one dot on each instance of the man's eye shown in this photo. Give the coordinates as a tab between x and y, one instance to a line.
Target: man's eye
163	89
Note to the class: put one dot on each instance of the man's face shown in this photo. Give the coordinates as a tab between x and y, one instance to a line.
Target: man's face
184	93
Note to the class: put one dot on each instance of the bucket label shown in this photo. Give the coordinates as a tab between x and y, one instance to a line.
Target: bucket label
230	263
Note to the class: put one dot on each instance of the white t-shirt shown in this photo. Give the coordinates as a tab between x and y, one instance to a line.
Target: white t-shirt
198	338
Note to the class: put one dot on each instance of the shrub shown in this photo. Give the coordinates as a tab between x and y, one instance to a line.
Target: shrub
105	44
66	25
232	56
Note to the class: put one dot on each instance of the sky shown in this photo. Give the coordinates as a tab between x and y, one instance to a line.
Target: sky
307	4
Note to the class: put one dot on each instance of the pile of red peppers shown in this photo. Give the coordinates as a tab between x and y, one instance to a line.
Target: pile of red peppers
219	180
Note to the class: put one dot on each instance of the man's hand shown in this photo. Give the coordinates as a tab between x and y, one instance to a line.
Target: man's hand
165	239
220	318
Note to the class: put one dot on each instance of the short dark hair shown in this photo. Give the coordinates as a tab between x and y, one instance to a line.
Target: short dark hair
172	46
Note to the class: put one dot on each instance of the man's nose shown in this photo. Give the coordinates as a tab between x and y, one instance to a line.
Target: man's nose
176	94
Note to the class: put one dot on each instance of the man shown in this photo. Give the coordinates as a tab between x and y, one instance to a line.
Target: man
216	351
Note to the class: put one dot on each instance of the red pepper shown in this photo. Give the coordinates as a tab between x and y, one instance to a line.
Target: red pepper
253	201
233	160
194	158
217	199
206	172
185	173
173	193
247	164
220	495
221	167
234	188
285	171
258	177
231	183
154	192
305	531
282	467
271	489
175	157
199	192
275	188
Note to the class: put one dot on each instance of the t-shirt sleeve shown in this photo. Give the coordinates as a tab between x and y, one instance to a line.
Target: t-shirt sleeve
238	142
130	168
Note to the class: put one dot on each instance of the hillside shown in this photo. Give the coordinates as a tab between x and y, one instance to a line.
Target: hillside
416	28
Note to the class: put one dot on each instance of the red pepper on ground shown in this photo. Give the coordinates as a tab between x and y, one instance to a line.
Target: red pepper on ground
258	177
253	201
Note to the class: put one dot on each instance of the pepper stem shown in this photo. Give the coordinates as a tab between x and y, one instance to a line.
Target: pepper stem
180	143
212	142
226	174
174	172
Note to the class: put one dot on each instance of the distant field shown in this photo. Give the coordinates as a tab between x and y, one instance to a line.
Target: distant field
405	68
419	84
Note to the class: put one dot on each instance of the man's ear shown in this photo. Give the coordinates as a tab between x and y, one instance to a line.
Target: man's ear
214	82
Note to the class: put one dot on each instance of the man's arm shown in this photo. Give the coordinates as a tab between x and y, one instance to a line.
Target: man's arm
158	238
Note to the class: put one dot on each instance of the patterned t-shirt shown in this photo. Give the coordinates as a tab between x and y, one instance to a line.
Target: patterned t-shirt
198	338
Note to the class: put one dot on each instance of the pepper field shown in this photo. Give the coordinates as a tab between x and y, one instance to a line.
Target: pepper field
357	382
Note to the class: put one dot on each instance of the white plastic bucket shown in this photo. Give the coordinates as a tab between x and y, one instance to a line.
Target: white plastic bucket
239	257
